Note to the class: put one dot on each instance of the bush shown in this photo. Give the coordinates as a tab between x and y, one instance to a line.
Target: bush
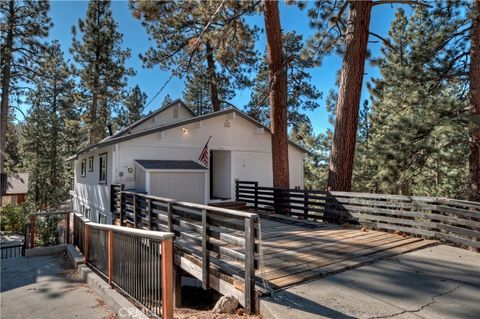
13	217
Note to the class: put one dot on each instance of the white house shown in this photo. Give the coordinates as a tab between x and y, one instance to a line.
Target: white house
159	155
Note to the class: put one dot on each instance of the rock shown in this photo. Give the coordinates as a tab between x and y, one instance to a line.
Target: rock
226	304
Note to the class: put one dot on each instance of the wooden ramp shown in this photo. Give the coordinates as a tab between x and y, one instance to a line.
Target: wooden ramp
295	251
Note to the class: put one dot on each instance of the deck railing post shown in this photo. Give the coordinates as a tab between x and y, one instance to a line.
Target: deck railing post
237	190
32	231
205	252
256	195
68	228
122	207
135	218
149	210
305	204
250	264
170	217
86	241
110	256
167	279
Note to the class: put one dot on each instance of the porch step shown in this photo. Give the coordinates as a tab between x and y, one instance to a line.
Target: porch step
231	205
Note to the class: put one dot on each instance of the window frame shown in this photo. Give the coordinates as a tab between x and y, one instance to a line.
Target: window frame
90	164
83	167
105	157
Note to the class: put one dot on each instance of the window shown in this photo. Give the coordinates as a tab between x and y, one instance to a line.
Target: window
83	168
102	160
90	164
175	113
87	213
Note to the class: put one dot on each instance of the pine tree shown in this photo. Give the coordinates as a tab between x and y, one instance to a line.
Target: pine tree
134	105
474	136
277	79
301	94
316	163
197	95
191	36
52	130
167	100
101	66
417	123
23	25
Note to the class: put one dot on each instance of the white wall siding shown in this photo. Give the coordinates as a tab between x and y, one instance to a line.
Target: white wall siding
222	177
165	117
182	186
89	193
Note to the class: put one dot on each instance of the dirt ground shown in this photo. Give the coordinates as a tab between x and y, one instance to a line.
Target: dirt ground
185	313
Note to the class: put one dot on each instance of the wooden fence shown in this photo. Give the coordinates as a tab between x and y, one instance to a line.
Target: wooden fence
138	262
48	228
216	236
453	221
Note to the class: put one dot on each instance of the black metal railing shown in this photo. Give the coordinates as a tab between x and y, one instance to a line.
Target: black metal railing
16	250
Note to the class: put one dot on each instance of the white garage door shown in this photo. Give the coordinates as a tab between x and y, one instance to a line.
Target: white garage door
181	186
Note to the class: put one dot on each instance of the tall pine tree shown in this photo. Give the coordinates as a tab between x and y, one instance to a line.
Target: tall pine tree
132	109
417	123
101	66
301	94
52	130
23	25
194	36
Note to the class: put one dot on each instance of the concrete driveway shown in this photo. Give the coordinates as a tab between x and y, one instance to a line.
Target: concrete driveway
436	282
46	287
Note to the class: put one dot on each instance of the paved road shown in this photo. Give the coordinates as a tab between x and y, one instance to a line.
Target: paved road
46	287
436	282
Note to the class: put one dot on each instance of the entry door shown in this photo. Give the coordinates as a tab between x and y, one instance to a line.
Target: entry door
220	174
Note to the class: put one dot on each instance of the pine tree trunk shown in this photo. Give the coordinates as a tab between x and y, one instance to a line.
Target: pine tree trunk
348	103
278	95
212	78
474	139
6	74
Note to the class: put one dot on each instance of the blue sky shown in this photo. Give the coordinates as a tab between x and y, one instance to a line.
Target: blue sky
66	13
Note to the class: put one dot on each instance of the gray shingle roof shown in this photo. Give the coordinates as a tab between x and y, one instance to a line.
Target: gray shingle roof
164	164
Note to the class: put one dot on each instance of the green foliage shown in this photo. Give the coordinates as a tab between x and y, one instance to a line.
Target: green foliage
14	217
197	94
52	130
101	66
28	23
225	49
414	139
316	163
132	109
47	229
301	93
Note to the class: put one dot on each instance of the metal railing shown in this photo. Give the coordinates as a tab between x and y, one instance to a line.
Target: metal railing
215	236
49	229
12	250
137	262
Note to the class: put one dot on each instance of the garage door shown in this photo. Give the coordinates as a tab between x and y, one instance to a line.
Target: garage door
188	186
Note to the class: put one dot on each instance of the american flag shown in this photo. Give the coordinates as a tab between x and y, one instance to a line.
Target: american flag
204	154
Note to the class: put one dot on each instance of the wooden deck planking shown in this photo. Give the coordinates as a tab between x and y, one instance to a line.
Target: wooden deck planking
295	251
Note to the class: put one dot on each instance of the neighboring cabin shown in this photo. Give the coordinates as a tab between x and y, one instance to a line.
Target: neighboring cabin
13	189
159	155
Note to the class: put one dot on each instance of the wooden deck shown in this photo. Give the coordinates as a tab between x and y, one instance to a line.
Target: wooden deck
294	251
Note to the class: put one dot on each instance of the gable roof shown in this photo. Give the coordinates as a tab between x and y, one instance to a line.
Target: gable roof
125	137
151	115
169	164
